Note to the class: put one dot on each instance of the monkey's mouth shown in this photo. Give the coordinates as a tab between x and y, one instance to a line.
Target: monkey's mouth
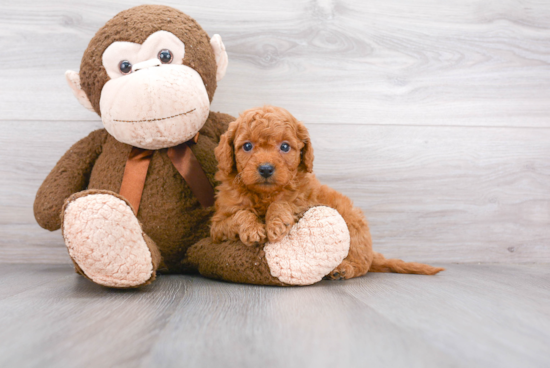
156	119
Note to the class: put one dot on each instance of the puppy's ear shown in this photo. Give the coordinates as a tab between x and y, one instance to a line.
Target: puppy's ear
224	152
306	163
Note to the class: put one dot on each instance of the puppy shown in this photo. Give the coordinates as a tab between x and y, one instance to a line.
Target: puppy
265	166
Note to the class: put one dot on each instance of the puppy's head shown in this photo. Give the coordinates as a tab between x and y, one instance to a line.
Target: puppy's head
264	149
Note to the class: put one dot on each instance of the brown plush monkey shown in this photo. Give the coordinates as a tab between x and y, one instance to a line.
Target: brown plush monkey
136	197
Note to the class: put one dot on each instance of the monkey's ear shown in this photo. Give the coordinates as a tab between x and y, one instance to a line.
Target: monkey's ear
73	79
221	56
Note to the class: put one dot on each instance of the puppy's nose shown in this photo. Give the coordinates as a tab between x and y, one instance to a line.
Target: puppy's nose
266	170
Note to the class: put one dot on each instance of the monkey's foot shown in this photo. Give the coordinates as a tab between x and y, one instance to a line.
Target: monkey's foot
106	242
315	246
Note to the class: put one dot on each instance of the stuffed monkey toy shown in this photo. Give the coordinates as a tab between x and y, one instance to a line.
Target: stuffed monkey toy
135	198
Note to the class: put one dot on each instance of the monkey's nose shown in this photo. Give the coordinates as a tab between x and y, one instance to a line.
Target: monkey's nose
146	64
266	170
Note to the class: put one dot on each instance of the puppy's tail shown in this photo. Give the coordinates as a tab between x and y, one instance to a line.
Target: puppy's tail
381	264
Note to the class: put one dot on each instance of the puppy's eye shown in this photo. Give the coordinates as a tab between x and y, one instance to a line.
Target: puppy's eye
165	56
285	147
125	66
247	146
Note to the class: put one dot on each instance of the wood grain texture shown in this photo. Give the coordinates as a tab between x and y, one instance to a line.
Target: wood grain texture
451	194
432	117
455	63
467	316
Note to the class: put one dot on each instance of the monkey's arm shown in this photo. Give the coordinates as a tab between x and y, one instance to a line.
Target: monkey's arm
70	175
216	125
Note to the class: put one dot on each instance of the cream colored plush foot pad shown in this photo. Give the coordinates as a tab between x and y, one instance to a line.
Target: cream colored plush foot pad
315	246
105	239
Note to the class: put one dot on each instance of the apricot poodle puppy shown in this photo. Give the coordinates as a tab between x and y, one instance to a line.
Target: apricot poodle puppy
265	166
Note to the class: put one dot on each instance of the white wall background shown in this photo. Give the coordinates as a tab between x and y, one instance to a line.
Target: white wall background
434	117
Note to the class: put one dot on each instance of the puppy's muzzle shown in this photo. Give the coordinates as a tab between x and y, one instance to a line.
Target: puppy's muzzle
266	170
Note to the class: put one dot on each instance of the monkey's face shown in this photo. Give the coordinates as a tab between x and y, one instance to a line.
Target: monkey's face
150	73
152	101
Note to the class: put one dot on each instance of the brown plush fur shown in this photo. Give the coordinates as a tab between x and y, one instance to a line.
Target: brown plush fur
171	215
169	212
257	209
135	25
231	261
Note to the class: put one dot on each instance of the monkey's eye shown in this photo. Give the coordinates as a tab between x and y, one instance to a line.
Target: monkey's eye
285	147
125	66
165	56
247	146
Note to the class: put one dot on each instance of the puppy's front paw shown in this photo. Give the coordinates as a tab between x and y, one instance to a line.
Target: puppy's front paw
278	228
253	234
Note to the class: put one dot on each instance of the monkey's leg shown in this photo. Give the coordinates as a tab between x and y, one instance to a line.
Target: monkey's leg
106	242
315	246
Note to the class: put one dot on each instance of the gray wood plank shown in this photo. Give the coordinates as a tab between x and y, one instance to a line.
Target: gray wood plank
478	63
29	150
226	325
481	315
434	194
71	322
18	278
468	316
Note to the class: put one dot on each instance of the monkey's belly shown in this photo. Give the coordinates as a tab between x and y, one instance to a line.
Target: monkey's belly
169	212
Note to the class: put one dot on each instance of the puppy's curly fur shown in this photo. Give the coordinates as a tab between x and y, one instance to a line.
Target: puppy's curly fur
257	208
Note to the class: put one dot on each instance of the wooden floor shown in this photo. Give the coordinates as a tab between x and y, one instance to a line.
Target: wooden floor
469	316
